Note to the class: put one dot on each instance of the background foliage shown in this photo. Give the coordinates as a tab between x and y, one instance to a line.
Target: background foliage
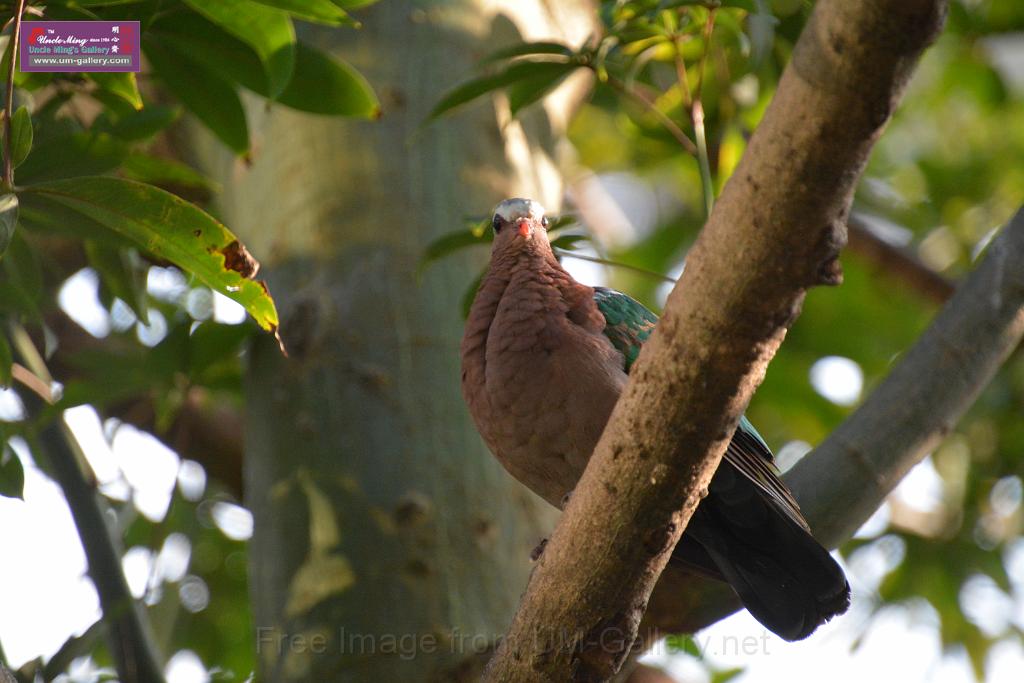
679	87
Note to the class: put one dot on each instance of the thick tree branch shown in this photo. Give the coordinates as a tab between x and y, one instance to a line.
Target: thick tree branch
847	477
923	397
780	219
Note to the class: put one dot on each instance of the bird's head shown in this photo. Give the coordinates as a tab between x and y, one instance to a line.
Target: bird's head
520	225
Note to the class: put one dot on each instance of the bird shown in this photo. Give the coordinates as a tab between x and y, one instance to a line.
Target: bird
544	359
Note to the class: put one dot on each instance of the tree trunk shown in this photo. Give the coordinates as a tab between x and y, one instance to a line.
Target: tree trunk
389	545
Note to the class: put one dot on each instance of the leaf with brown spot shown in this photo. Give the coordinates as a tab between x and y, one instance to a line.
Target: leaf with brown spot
170	228
238	259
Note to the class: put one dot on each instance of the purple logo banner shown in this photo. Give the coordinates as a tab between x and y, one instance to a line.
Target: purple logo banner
76	46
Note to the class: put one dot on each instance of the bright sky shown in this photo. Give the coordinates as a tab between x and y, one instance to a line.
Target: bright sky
46	596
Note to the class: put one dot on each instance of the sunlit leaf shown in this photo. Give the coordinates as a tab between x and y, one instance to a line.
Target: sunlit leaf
353	4
524	49
171	228
474	88
122	84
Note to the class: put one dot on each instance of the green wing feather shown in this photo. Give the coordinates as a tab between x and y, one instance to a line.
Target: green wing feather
628	324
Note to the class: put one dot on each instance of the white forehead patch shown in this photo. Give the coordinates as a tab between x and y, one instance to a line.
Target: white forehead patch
511	209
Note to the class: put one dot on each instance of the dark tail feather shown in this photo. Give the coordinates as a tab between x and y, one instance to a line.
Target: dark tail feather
784	577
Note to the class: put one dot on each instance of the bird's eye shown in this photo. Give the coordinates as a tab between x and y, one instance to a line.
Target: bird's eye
545	222
496	224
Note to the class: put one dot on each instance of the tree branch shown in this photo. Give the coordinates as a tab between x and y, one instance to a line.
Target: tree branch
202	430
782	217
923	397
128	633
899	262
848	476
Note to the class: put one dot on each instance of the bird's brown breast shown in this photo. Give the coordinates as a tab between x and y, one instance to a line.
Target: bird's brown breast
539	376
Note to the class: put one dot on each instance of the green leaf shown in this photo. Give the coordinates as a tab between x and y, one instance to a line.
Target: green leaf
6	361
143	124
320	11
353	4
726	675
219	51
170	228
8	220
452	242
470	294
12	475
163	171
568	242
38	213
749	5
472	89
21	287
211	343
320	84
266	30
680	643
118	276
122	84
21	136
324	85
527	91
212	99
523	49
72	154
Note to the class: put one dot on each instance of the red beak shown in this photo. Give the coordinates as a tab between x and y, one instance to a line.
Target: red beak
523	227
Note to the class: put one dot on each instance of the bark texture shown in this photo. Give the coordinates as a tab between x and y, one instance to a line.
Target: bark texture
922	399
843	481
776	231
389	545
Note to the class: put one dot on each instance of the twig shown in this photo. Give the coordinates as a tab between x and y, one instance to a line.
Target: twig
707	185
663	118
128	632
899	262
615	264
697	115
9	104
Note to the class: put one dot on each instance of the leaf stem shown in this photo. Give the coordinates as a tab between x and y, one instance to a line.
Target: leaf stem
697	114
9	103
614	264
706	182
663	118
